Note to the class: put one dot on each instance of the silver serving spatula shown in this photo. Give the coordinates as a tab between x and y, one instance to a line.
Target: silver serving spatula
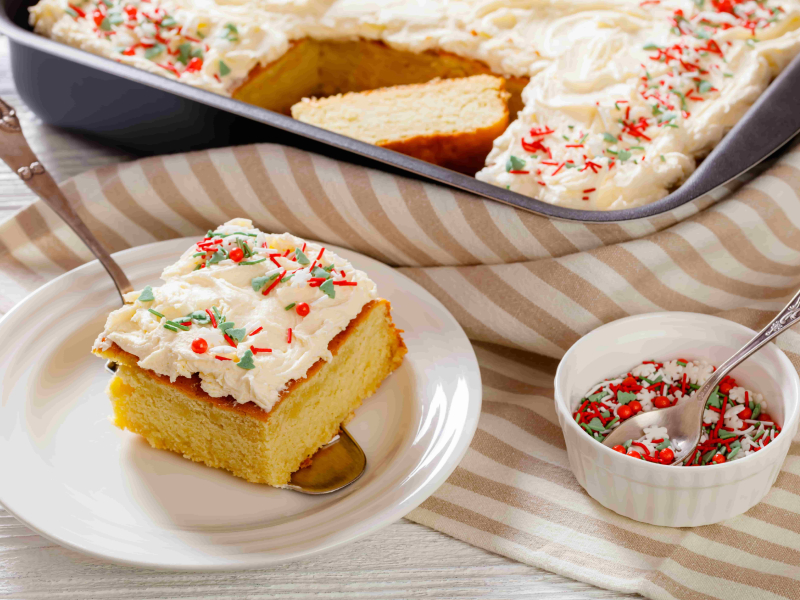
336	465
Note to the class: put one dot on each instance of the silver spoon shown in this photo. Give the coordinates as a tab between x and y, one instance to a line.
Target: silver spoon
336	465
684	420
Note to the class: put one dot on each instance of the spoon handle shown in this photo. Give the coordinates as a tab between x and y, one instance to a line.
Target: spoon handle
17	154
782	321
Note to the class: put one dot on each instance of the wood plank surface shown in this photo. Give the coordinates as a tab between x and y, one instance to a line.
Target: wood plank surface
404	560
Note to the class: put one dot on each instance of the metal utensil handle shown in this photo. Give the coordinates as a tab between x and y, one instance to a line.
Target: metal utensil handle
17	154
782	321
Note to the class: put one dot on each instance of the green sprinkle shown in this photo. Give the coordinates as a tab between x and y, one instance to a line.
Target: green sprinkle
625	397
231	33
708	456
116	18
252	262
596	424
577	419
651	46
329	268
682	97
657	110
623	155
154	51
156	313
662	445
171	328
571	165
71	13
627	444
514	164
319	272
614	152
220	318
672	125
681	363
246	361
662	158
200	316
586	428
146	295
734	452
218	256
300	257
184	53
704	86
237	334
583	139
225	326
178	325
714	400
168	22
223	69
224	235
598	396
694	386
756	412
290	306
198	53
105	24
725	435
637	148
605	414
727	74
565	137
328	288
612	422
287	278
259	282
198	254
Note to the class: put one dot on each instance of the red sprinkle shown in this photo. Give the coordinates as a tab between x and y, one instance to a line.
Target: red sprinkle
289	336
274	283
347	283
255	350
77	10
218	357
210	314
255	331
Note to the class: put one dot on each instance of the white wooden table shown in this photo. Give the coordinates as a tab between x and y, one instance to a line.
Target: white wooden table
404	560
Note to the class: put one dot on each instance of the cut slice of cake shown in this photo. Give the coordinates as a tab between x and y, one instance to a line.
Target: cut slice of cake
251	355
450	122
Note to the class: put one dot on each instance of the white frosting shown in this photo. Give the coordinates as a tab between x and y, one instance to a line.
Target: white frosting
228	286
587	60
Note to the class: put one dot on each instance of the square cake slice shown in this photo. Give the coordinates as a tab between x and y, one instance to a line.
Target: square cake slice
251	355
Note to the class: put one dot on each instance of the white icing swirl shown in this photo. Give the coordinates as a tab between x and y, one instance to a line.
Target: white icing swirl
228	286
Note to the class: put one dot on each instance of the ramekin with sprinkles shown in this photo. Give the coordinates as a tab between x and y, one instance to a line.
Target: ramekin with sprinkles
735	421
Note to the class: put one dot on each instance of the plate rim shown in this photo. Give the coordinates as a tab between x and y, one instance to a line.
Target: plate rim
368	526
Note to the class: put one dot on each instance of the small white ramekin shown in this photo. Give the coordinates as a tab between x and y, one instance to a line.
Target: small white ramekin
660	494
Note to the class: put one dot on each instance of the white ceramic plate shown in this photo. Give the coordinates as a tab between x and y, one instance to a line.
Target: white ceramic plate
69	474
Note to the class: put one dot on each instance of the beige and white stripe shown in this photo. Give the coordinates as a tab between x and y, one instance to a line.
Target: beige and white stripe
524	288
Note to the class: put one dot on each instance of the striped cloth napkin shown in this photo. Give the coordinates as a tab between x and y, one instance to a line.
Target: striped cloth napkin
524	288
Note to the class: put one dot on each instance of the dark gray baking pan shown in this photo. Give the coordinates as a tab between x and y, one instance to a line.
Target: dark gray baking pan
150	114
